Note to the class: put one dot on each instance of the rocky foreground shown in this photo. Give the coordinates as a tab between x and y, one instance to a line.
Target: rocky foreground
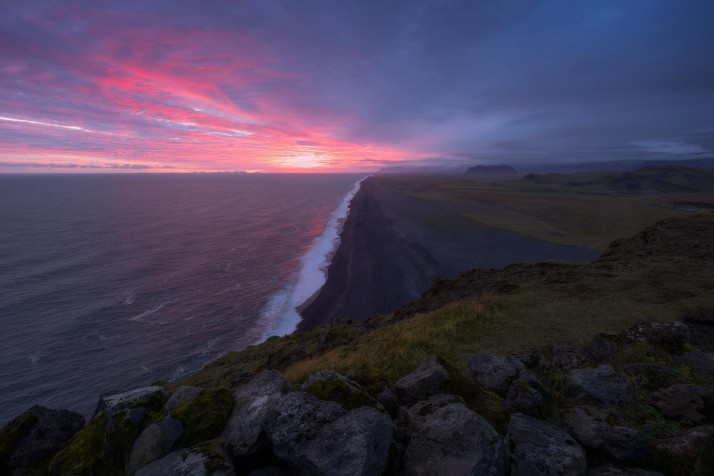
639	403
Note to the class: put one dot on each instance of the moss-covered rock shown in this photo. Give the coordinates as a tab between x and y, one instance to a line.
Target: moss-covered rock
12	433
101	447
339	391
477	398
204	417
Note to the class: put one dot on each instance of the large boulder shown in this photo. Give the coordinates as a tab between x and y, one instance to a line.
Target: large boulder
102	446
693	403
30	440
182	394
454	440
602	346
156	441
298	417
522	398
701	361
254	406
538	447
496	373
568	357
332	385
203	417
204	459
689	453
141	397
590	427
420	411
670	336
600	386
318	437
427	380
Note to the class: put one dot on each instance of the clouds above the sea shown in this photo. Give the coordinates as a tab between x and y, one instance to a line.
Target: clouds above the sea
353	85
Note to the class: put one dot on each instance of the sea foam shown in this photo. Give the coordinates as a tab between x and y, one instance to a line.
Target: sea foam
280	313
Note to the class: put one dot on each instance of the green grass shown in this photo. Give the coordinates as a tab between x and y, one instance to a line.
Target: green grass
589	216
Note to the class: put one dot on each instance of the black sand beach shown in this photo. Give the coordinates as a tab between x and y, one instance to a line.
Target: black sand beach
393	247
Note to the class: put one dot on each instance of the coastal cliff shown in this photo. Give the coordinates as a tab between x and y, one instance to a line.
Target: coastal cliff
450	379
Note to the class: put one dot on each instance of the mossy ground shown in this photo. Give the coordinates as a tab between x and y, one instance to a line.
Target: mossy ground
12	433
204	417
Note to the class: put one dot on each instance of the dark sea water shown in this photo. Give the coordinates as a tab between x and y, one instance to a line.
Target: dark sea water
110	282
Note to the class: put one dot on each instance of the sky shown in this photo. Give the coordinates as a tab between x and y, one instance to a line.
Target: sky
351	86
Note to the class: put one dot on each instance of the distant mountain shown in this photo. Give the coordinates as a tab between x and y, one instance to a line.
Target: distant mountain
630	164
651	178
491	169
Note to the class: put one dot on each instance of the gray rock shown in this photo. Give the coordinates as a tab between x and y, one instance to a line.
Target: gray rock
496	373
42	433
427	380
602	346
119	401
538	447
355	444
156	441
697	360
297	417
568	357
589	426
456	441
686	445
522	398
181	395
204	459
317	437
693	403
253	408
420	411
612	471
388	400
671	336
601	386
325	375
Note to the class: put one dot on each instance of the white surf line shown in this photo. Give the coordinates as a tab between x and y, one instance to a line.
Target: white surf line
281	308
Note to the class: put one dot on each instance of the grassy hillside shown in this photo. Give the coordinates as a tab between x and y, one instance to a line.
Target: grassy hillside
657	274
585	209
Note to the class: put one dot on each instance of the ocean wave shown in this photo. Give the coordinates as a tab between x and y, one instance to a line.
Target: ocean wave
140	317
279	314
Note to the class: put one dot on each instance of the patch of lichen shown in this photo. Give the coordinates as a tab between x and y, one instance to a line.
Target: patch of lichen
485	403
81	456
338	391
12	433
204	417
215	457
99	448
152	405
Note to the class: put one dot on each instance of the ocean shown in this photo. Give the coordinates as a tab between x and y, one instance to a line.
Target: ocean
111	282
